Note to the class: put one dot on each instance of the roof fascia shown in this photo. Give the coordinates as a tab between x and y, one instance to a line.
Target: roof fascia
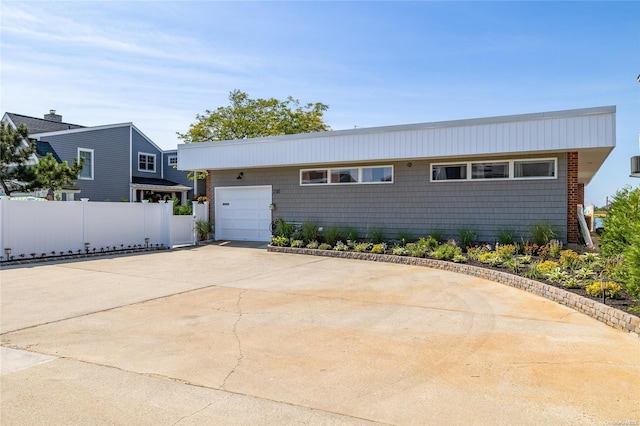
416	126
84	129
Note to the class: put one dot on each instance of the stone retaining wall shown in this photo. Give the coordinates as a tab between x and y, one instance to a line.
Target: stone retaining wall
612	317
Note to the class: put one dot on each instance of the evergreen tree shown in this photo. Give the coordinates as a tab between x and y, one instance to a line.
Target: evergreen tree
16	153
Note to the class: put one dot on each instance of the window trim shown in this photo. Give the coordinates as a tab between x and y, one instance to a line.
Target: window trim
360	169
511	165
148	154
169	158
90	151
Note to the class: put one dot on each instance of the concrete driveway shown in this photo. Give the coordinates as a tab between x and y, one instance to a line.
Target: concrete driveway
237	335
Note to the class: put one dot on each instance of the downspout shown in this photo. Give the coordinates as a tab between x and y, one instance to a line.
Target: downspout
132	191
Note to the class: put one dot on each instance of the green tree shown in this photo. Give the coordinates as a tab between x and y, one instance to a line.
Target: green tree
16	151
252	118
53	175
621	236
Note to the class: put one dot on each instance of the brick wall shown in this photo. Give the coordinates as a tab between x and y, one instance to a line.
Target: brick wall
575	196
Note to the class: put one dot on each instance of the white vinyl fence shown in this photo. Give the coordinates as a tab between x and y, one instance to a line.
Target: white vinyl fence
35	228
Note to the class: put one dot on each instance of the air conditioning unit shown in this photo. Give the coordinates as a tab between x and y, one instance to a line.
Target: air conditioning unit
635	166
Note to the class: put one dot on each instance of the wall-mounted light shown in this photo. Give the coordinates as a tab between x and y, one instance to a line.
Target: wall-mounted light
240	175
272	206
7	251
409	164
86	247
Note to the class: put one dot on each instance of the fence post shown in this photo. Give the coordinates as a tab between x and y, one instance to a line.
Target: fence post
85	202
3	223
165	221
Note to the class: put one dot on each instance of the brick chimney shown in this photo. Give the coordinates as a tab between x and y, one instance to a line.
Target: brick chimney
53	116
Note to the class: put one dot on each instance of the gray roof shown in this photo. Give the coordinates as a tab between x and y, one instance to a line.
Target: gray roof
40	125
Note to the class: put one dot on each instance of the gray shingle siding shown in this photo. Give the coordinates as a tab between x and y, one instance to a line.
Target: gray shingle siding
175	175
413	203
141	145
110	156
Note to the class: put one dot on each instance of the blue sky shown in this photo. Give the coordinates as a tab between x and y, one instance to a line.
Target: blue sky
158	64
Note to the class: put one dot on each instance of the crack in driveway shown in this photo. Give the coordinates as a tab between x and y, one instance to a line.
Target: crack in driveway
235	334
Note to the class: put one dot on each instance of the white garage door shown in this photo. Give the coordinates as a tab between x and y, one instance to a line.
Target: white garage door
242	213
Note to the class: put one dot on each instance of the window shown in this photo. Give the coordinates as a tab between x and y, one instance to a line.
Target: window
537	168
449	172
347	175
86	155
344	176
534	169
172	160
377	174
490	170
146	162
313	177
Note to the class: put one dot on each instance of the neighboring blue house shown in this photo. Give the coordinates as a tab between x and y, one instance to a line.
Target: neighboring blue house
120	162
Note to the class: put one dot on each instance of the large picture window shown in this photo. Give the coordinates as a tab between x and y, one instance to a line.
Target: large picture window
146	162
86	155
537	168
347	175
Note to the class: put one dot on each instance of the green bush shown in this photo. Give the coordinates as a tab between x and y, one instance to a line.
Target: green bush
506	236
324	246
283	229
447	252
430	243
542	233
379	248
350	234
467	237
611	289
417	250
405	237
179	210
309	231
621	236
340	246
297	243
280	241
312	244
376	236
362	247
332	235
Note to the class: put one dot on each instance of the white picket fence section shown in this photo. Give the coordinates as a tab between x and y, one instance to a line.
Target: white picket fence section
55	226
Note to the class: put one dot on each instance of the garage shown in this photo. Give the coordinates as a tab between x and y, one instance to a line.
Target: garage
243	213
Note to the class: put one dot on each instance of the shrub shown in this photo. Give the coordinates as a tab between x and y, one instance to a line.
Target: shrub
525	259
280	241
474	253
283	229
400	251
447	252
513	265
621	237
555	247
340	246
437	235
324	246
376	236
417	250
557	275
569	259
611	289
572	282
405	237
533	272
312	244
362	247
542	233
458	258
547	266
297	243
506	236
506	252
467	237
309	231
429	244
350	234
179	210
487	256
379	248
332	235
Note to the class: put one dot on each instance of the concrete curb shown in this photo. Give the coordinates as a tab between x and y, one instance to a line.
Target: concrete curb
611	316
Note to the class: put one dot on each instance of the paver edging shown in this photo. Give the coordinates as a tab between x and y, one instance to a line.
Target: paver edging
611	316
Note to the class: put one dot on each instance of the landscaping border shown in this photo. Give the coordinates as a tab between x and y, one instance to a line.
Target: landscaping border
611	316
